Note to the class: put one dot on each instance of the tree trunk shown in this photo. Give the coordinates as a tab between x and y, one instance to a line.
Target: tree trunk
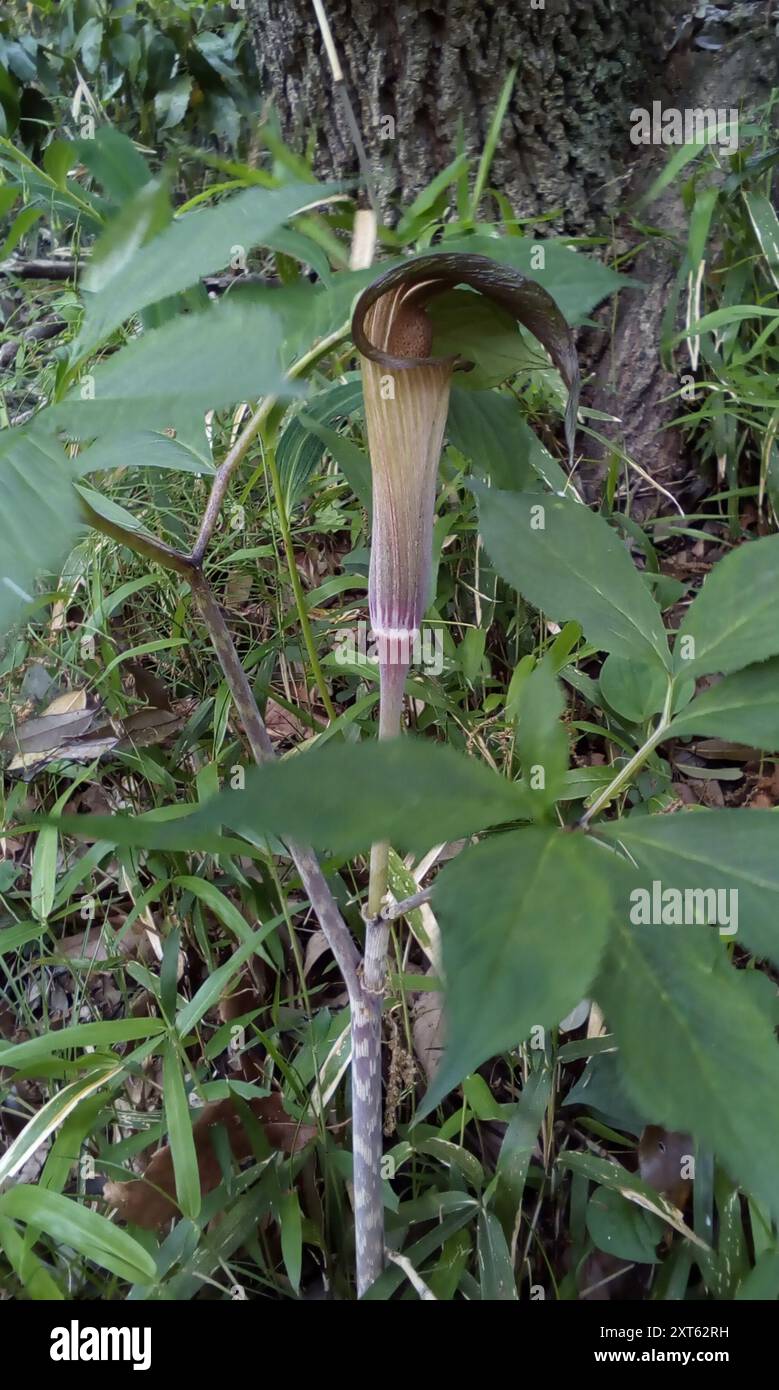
417	72
564	147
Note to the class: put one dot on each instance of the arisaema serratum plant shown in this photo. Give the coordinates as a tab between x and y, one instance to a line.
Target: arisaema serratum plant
406	389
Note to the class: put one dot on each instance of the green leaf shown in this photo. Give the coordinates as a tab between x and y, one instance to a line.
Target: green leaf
524	921
766	228
762	1282
630	1185
541	738
147	449
20	226
498	1283
719	850
39	516
470	326
743	707
196	244
352	461
221	905
408	791
700	222
11	938
570	564
732	622
291	1226
52	1115
491	141
300	448
89	42
116	163
140	219
621	1228
699	1054
170	106
169	973
490	430
26	1054
212	988
633	688
423	204
227	353
58	157
29	1270
43	882
518	1147
92	1235
182	1140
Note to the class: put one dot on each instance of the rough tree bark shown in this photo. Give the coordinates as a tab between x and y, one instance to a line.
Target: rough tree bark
564	145
431	66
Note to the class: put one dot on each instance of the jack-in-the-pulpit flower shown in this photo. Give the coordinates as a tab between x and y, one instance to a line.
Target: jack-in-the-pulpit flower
406	393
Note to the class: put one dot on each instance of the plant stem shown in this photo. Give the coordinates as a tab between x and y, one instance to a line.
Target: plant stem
366	1029
625	776
297	587
392	680
240	448
335	929
150	547
365	1002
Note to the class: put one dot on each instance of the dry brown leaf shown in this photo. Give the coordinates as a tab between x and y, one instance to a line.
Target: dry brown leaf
150	1201
282	724
62	737
47	730
428	1029
68	702
147	685
240	1000
317	946
237	589
100	943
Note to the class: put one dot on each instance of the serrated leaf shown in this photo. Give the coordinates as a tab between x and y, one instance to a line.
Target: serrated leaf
409	791
570	564
489	429
699	1055
730	850
226	354
196	244
140	219
732	622
39	517
147	449
541	738
743	707
634	689
524	921
115	161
